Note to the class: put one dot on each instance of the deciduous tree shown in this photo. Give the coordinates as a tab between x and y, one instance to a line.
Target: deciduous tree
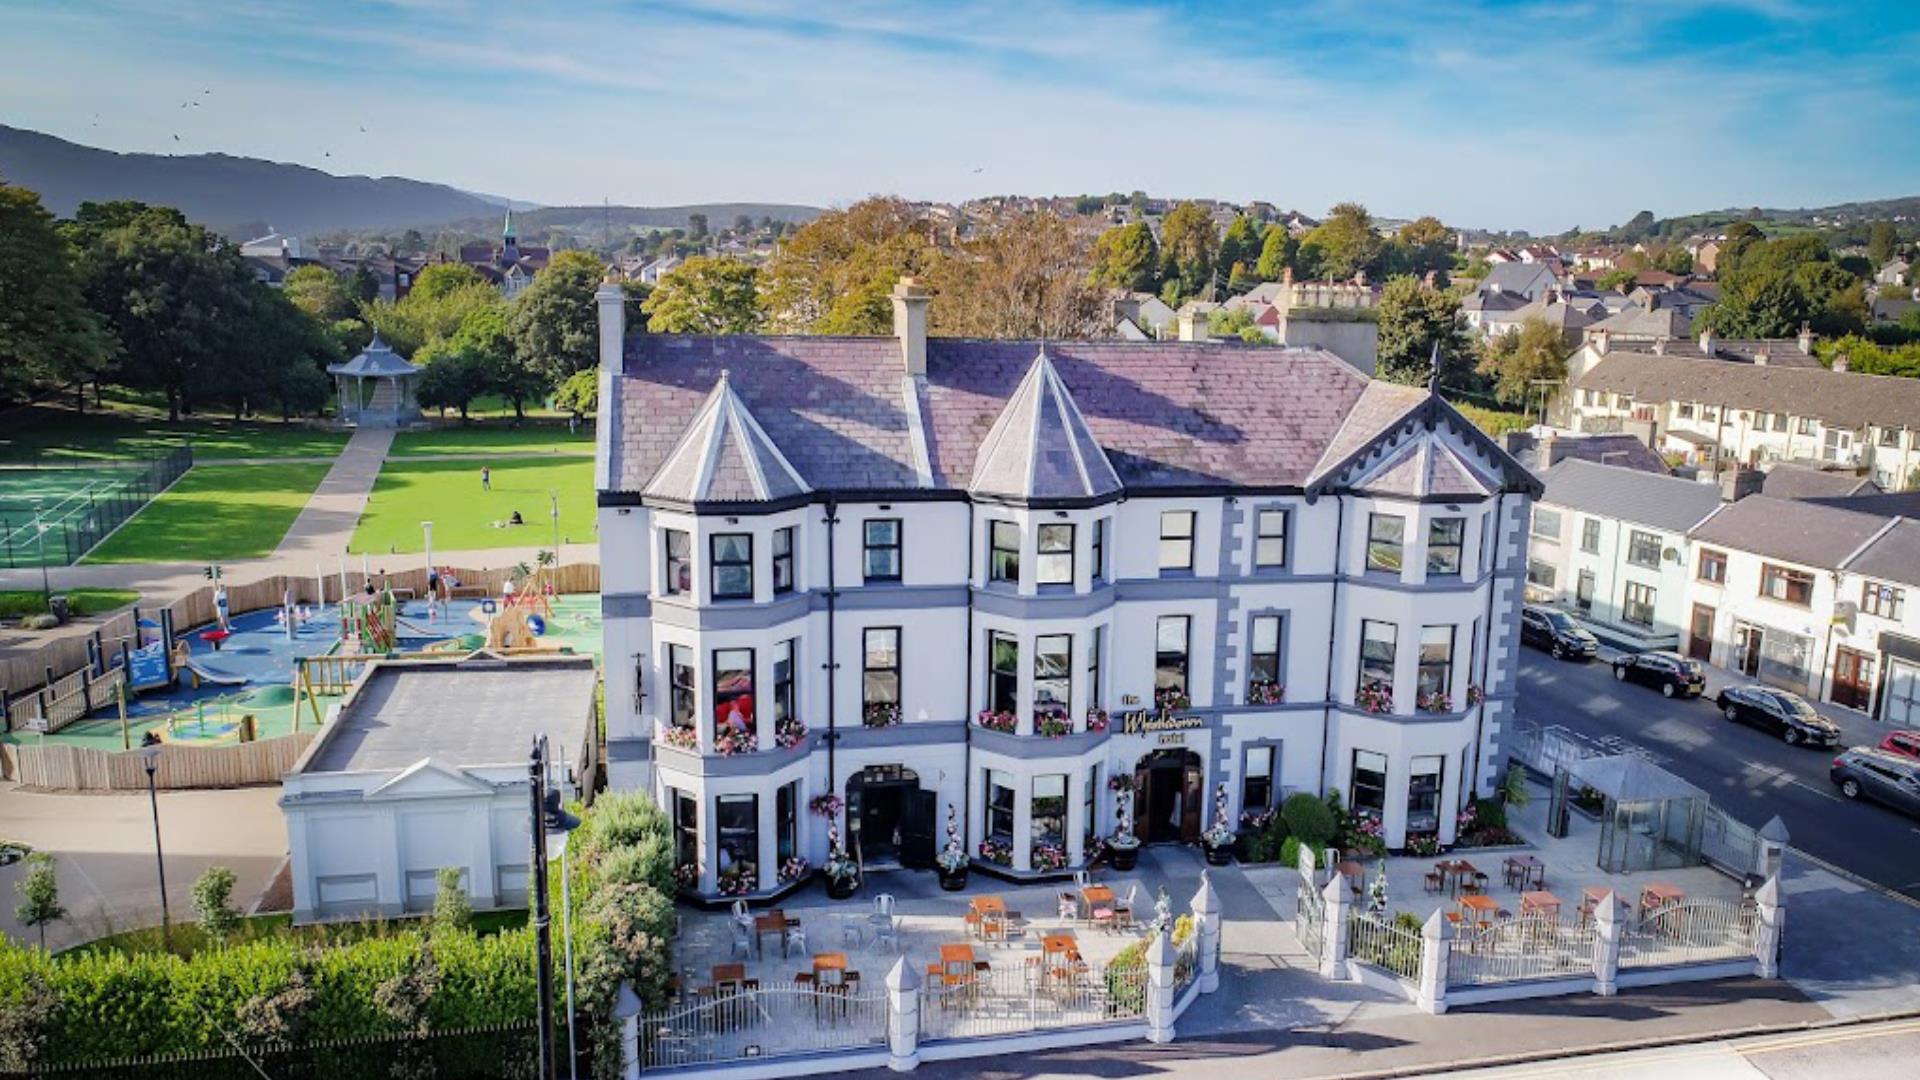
1345	242
1024	278
1520	359
555	324
1414	317
48	334
39	895
1277	249
1189	250
834	275
706	295
1127	257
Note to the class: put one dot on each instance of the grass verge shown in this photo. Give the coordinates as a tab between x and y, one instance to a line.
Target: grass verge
465	516
494	438
215	514
23	602
48	431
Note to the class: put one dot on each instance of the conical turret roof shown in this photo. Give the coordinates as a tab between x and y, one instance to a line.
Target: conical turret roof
725	456
1040	446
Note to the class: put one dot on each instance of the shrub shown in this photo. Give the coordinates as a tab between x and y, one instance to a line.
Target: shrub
1309	819
1264	844
39	895
1290	851
451	911
212	905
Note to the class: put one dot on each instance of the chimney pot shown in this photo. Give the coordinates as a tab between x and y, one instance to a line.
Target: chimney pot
1841	363
1193	325
1707	343
910	302
1806	340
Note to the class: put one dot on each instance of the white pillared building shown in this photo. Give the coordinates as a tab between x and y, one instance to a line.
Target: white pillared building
922	577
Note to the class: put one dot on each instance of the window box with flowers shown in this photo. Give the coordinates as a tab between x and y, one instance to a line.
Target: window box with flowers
1052	725
1001	721
1475	695
1365	833
997	852
687	876
1435	701
794	869
1049	857
680	738
729	741
1168	699
789	733
880	714
1265	692
1423	844
739	880
1097	721
1375	698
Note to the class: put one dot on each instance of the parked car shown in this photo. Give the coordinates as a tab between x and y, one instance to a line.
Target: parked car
1556	632
1668	672
1784	714
1864	772
1903	743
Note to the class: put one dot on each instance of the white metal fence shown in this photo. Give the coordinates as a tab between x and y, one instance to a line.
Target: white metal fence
1516	950
1042	993
1690	932
1310	918
759	1023
1186	964
1382	944
1729	845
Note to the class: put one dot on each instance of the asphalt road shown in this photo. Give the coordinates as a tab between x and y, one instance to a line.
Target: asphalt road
1749	773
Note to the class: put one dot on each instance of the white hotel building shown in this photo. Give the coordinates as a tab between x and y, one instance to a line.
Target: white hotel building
838	566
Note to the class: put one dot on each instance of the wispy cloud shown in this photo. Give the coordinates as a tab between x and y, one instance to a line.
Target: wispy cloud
1527	113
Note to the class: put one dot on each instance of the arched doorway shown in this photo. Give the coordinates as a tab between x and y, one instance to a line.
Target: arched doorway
1172	791
889	819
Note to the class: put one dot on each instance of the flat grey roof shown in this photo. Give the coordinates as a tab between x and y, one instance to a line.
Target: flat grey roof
465	713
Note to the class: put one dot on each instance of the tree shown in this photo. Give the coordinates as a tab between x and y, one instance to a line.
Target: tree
1883	242
556	324
706	295
1674	260
580	394
1776	286
442	297
290	351
697	226
451	911
319	292
1241	243
452	378
1619	279
1189	248
1522	358
1126	257
1024	278
1237	322
1345	242
365	286
39	893
1422	246
212	903
1277	249
48	334
1414	317
834	275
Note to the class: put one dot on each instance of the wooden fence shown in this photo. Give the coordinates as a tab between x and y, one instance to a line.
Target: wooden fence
63	767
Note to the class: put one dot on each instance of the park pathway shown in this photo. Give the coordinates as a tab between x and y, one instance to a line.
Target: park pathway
324	527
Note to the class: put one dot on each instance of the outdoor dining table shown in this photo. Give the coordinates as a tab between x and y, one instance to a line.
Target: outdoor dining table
773	922
988	912
1525	870
1479	910
1656	896
1093	898
830	968
1540	902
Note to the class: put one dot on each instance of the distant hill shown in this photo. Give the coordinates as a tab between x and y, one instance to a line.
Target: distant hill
222	191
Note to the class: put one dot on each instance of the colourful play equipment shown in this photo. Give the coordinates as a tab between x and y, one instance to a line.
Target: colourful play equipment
367	623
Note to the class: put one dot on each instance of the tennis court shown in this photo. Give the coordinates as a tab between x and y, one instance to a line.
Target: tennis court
52	516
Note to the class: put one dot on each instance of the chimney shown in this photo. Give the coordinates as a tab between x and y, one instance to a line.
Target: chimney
910	302
1659	346
612	302
1707	343
1193	325
1543	453
1602	339
1841	363
1806	340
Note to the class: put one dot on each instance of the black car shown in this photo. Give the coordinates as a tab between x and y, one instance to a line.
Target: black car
1556	632
1670	673
1880	776
1777	711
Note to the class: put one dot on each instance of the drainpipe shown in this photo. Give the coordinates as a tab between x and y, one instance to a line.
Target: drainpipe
966	725
1823	684
1486	653
1339	554
833	665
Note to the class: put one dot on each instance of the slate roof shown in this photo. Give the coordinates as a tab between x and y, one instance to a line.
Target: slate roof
726	456
1800	532
1426	468
467	713
377	360
1842	398
1667	503
1493	300
1040	447
1787	481
1526	278
1895	556
1636	321
1166	414
1618	450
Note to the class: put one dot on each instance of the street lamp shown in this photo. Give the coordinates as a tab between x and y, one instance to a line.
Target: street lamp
40	533
150	760
559	826
544	818
432	593
553	502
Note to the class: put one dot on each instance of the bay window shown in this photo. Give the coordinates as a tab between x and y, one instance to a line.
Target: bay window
1434	685
685	681
783	691
1050	812
1378	643
786	822
1003	555
1053	675
732	566
736	820
783	560
1424	783
1054	566
1000	797
1367	793
1445	538
1386	542
1003	672
678	579
733	711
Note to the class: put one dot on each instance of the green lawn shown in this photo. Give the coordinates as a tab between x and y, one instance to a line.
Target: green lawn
48	431
494	438
22	602
448	494
216	513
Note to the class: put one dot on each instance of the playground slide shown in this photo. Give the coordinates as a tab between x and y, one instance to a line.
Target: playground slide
217	678
414	629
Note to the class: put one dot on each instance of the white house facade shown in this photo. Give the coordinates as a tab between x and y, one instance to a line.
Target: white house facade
861	584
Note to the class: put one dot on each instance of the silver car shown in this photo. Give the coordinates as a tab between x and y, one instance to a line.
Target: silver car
1863	772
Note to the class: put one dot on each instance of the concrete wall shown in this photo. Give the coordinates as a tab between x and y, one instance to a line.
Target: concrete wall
1357	342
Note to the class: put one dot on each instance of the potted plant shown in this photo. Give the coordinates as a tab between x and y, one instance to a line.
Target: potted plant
952	859
825	806
1219	836
1168	699
1123	848
739	879
1052	724
789	733
1001	721
880	714
793	869
1097	720
996	851
843	874
1265	692
1048	857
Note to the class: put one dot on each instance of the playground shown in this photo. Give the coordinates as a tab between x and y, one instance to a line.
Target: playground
253	669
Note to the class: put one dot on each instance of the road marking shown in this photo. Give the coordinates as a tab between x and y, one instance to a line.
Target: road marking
1822	1038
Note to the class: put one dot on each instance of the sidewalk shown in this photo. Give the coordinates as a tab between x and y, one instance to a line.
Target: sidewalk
327	523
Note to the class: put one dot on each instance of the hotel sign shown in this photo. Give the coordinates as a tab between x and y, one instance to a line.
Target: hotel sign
1143	722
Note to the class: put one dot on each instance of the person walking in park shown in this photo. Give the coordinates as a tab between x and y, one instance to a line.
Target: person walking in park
486	478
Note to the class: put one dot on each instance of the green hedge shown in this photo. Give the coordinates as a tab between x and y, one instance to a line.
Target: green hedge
86	1006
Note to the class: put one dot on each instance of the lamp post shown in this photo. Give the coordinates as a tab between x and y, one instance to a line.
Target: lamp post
40	537
432	593
150	760
546	816
553	511
560	825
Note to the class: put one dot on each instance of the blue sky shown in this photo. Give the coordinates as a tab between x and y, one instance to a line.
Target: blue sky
1500	113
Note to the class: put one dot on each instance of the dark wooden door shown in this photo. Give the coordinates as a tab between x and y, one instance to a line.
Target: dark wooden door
916	830
1193	796
1852	679
1700	634
1140	775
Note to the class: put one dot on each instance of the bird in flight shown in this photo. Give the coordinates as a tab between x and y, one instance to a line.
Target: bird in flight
176	138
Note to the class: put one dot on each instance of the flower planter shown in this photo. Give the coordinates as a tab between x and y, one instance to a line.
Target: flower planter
1219	854
841	888
953	880
1124	858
